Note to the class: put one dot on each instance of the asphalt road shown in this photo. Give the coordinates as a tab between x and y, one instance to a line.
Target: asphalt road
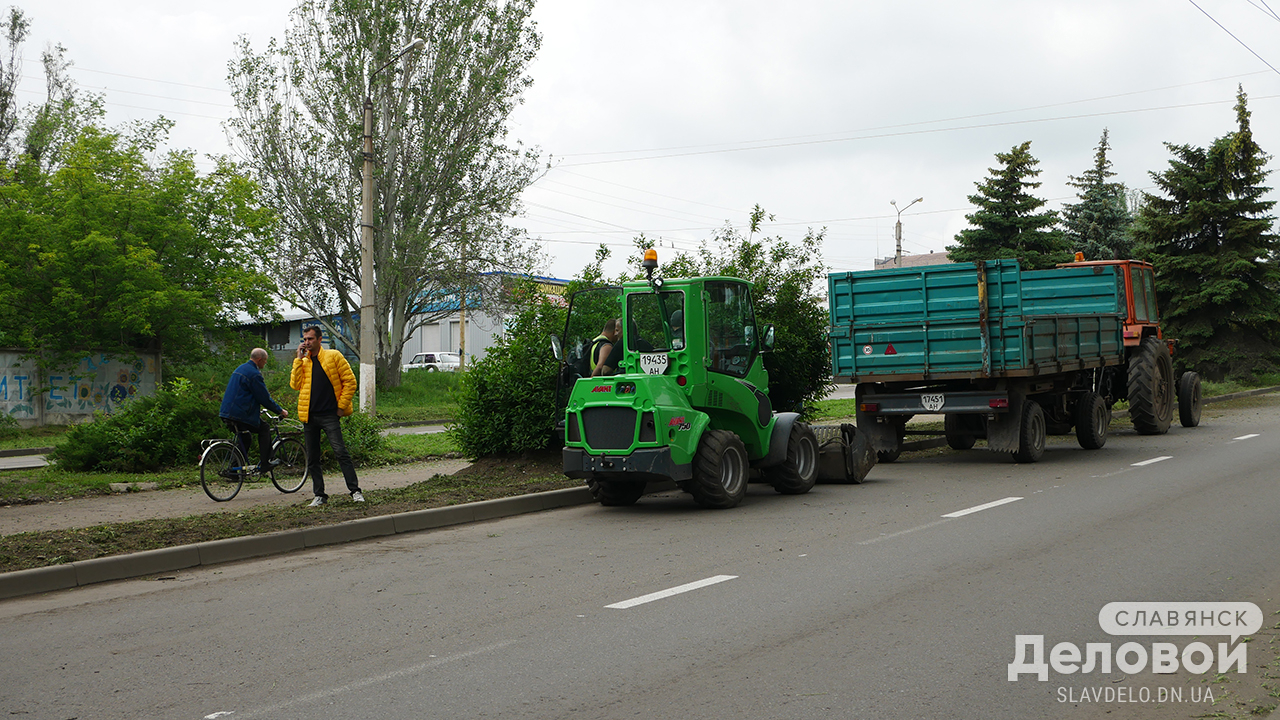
852	601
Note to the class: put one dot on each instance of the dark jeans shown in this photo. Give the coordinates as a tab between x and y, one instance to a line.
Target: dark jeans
243	430
332	427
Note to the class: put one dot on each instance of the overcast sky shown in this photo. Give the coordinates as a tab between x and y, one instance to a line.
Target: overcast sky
672	117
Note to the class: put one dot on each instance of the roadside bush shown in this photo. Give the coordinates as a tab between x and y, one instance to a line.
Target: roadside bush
146	434
507	400
9	427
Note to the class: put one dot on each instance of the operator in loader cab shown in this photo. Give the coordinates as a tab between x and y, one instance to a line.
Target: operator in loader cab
603	344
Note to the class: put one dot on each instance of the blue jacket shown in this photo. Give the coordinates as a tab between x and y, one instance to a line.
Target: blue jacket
246	392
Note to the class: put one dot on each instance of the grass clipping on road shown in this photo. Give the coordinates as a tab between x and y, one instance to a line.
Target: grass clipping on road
486	479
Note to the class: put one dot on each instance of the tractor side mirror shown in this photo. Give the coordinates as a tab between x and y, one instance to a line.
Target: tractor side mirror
556	350
767	344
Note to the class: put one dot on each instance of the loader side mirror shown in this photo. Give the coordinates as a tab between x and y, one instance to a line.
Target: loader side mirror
556	350
766	345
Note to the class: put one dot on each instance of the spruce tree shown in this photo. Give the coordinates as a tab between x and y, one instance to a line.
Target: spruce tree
1098	225
1007	223
1214	247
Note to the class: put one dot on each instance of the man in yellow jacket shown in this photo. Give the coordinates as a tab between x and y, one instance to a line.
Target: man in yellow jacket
325	386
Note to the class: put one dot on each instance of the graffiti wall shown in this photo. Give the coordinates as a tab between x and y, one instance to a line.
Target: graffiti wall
98	382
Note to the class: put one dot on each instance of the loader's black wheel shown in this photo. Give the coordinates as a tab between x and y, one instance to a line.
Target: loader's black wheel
1092	418
797	475
1190	401
957	438
1031	433
1150	387
615	493
719	470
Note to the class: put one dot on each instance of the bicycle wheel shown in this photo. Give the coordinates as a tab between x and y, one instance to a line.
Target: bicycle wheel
222	471
291	473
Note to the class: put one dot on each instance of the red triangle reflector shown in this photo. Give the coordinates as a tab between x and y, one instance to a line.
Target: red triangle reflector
890	351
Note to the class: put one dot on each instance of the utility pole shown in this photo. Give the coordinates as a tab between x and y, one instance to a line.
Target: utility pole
897	229
368	330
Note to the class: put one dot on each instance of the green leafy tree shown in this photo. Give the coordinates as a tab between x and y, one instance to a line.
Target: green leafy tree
447	176
1098	225
1214	246
111	252
1007	223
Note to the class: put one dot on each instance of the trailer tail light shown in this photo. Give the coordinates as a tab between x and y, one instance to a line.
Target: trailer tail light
869	407
999	403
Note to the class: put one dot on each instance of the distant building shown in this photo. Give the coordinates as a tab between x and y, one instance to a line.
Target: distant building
485	322
930	258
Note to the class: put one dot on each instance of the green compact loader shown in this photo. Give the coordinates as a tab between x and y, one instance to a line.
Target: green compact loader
683	396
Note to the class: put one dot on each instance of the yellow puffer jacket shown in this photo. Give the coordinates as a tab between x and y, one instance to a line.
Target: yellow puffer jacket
340	375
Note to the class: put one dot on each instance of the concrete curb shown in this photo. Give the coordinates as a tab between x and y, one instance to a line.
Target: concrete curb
150	562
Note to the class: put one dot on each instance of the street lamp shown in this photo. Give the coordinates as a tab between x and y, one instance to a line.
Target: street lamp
897	228
368	332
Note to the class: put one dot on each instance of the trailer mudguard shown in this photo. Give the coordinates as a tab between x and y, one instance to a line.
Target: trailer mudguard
1003	428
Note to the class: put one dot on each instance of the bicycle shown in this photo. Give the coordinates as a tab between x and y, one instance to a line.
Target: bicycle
224	469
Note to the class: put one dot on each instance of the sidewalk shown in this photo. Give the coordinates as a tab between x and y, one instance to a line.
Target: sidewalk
149	505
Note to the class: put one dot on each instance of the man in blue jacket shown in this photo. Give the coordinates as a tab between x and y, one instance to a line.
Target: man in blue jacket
246	392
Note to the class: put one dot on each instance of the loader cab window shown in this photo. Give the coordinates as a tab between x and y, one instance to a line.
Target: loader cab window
731	328
644	329
589	310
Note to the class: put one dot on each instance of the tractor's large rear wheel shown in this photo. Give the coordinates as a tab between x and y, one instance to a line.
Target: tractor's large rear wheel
611	493
1150	387
719	470
799	472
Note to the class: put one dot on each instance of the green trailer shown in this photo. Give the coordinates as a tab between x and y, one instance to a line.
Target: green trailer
1004	354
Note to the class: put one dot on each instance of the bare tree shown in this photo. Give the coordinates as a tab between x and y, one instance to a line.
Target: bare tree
446	177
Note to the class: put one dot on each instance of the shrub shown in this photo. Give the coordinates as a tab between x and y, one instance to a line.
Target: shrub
146	434
507	402
8	427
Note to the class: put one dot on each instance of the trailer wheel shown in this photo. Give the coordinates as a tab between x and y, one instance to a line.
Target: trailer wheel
615	493
1031	434
719	470
1150	388
1190	402
1092	418
797	475
957	439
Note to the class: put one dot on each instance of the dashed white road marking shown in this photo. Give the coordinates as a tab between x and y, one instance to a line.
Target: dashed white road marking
900	533
980	508
1153	461
1246	437
315	697
669	592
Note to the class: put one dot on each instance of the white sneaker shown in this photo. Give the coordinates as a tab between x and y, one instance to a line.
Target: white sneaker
357	496
317	501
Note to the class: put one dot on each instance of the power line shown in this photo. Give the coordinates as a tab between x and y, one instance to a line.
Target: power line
135	77
916	132
926	122
1233	37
